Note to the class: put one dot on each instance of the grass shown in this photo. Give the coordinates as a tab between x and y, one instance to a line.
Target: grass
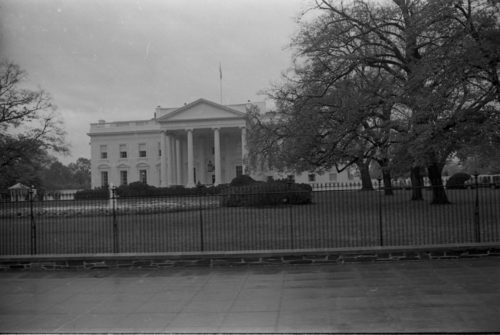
334	219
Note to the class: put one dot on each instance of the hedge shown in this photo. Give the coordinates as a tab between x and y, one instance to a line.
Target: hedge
138	189
97	193
267	194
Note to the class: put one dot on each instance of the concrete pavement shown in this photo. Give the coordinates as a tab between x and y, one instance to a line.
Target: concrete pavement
413	296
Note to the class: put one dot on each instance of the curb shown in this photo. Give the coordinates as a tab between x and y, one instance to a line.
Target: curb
246	258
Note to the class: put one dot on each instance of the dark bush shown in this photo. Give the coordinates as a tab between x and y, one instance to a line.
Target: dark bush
457	181
267	194
97	193
242	180
136	189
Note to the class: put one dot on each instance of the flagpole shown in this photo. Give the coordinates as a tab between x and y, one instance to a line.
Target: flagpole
220	82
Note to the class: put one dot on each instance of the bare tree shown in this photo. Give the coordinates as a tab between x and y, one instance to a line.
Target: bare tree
29	124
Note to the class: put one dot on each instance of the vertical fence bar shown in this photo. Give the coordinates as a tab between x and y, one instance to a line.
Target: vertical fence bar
477	230
33	223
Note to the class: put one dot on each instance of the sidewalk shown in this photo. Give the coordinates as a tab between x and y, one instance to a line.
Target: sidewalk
431	296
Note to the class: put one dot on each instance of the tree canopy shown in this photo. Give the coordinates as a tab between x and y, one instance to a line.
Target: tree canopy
405	82
29	126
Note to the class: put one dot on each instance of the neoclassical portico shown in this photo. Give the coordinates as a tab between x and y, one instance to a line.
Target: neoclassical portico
202	142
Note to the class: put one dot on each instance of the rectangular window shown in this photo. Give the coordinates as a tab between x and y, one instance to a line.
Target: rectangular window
123	151
333	176
123	178
239	170
104	178
104	151
311	177
143	176
142	150
159	149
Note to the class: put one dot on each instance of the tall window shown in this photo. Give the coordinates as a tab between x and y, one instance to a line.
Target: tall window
142	150
123	151
239	170
312	177
104	151
143	176
104	178
159	149
123	178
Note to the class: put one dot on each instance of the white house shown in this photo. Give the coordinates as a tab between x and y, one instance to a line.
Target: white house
200	142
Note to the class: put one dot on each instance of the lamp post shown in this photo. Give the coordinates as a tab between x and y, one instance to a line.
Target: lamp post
32	220
477	232
112	199
286	201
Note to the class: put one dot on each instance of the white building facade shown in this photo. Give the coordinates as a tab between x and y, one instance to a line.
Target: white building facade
201	142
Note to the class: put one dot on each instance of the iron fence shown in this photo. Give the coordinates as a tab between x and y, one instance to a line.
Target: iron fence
337	217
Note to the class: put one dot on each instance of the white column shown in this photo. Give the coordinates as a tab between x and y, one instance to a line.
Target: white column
168	159
244	152
172	161
163	159
217	162
178	161
190	158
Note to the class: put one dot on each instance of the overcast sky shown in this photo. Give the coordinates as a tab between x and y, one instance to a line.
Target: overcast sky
119	59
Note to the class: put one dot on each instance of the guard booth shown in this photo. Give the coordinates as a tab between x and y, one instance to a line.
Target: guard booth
20	192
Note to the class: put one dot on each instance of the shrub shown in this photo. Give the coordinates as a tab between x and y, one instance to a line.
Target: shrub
97	193
457	180
136	189
267	194
243	180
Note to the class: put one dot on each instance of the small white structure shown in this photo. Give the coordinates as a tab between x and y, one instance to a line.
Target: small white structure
66	194
20	192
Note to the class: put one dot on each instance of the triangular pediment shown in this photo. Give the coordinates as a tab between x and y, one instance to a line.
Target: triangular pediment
202	109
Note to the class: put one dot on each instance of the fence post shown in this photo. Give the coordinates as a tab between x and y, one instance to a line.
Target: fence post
290	214
381	233
116	248
477	231
202	246
33	223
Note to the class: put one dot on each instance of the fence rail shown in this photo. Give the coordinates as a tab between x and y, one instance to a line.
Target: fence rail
335	218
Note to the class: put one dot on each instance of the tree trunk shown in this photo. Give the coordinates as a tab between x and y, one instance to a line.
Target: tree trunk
438	192
366	181
417	183
386	175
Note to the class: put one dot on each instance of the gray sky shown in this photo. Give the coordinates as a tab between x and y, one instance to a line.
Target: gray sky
119	59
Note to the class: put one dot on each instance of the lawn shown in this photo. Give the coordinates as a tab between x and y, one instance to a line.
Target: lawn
334	219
